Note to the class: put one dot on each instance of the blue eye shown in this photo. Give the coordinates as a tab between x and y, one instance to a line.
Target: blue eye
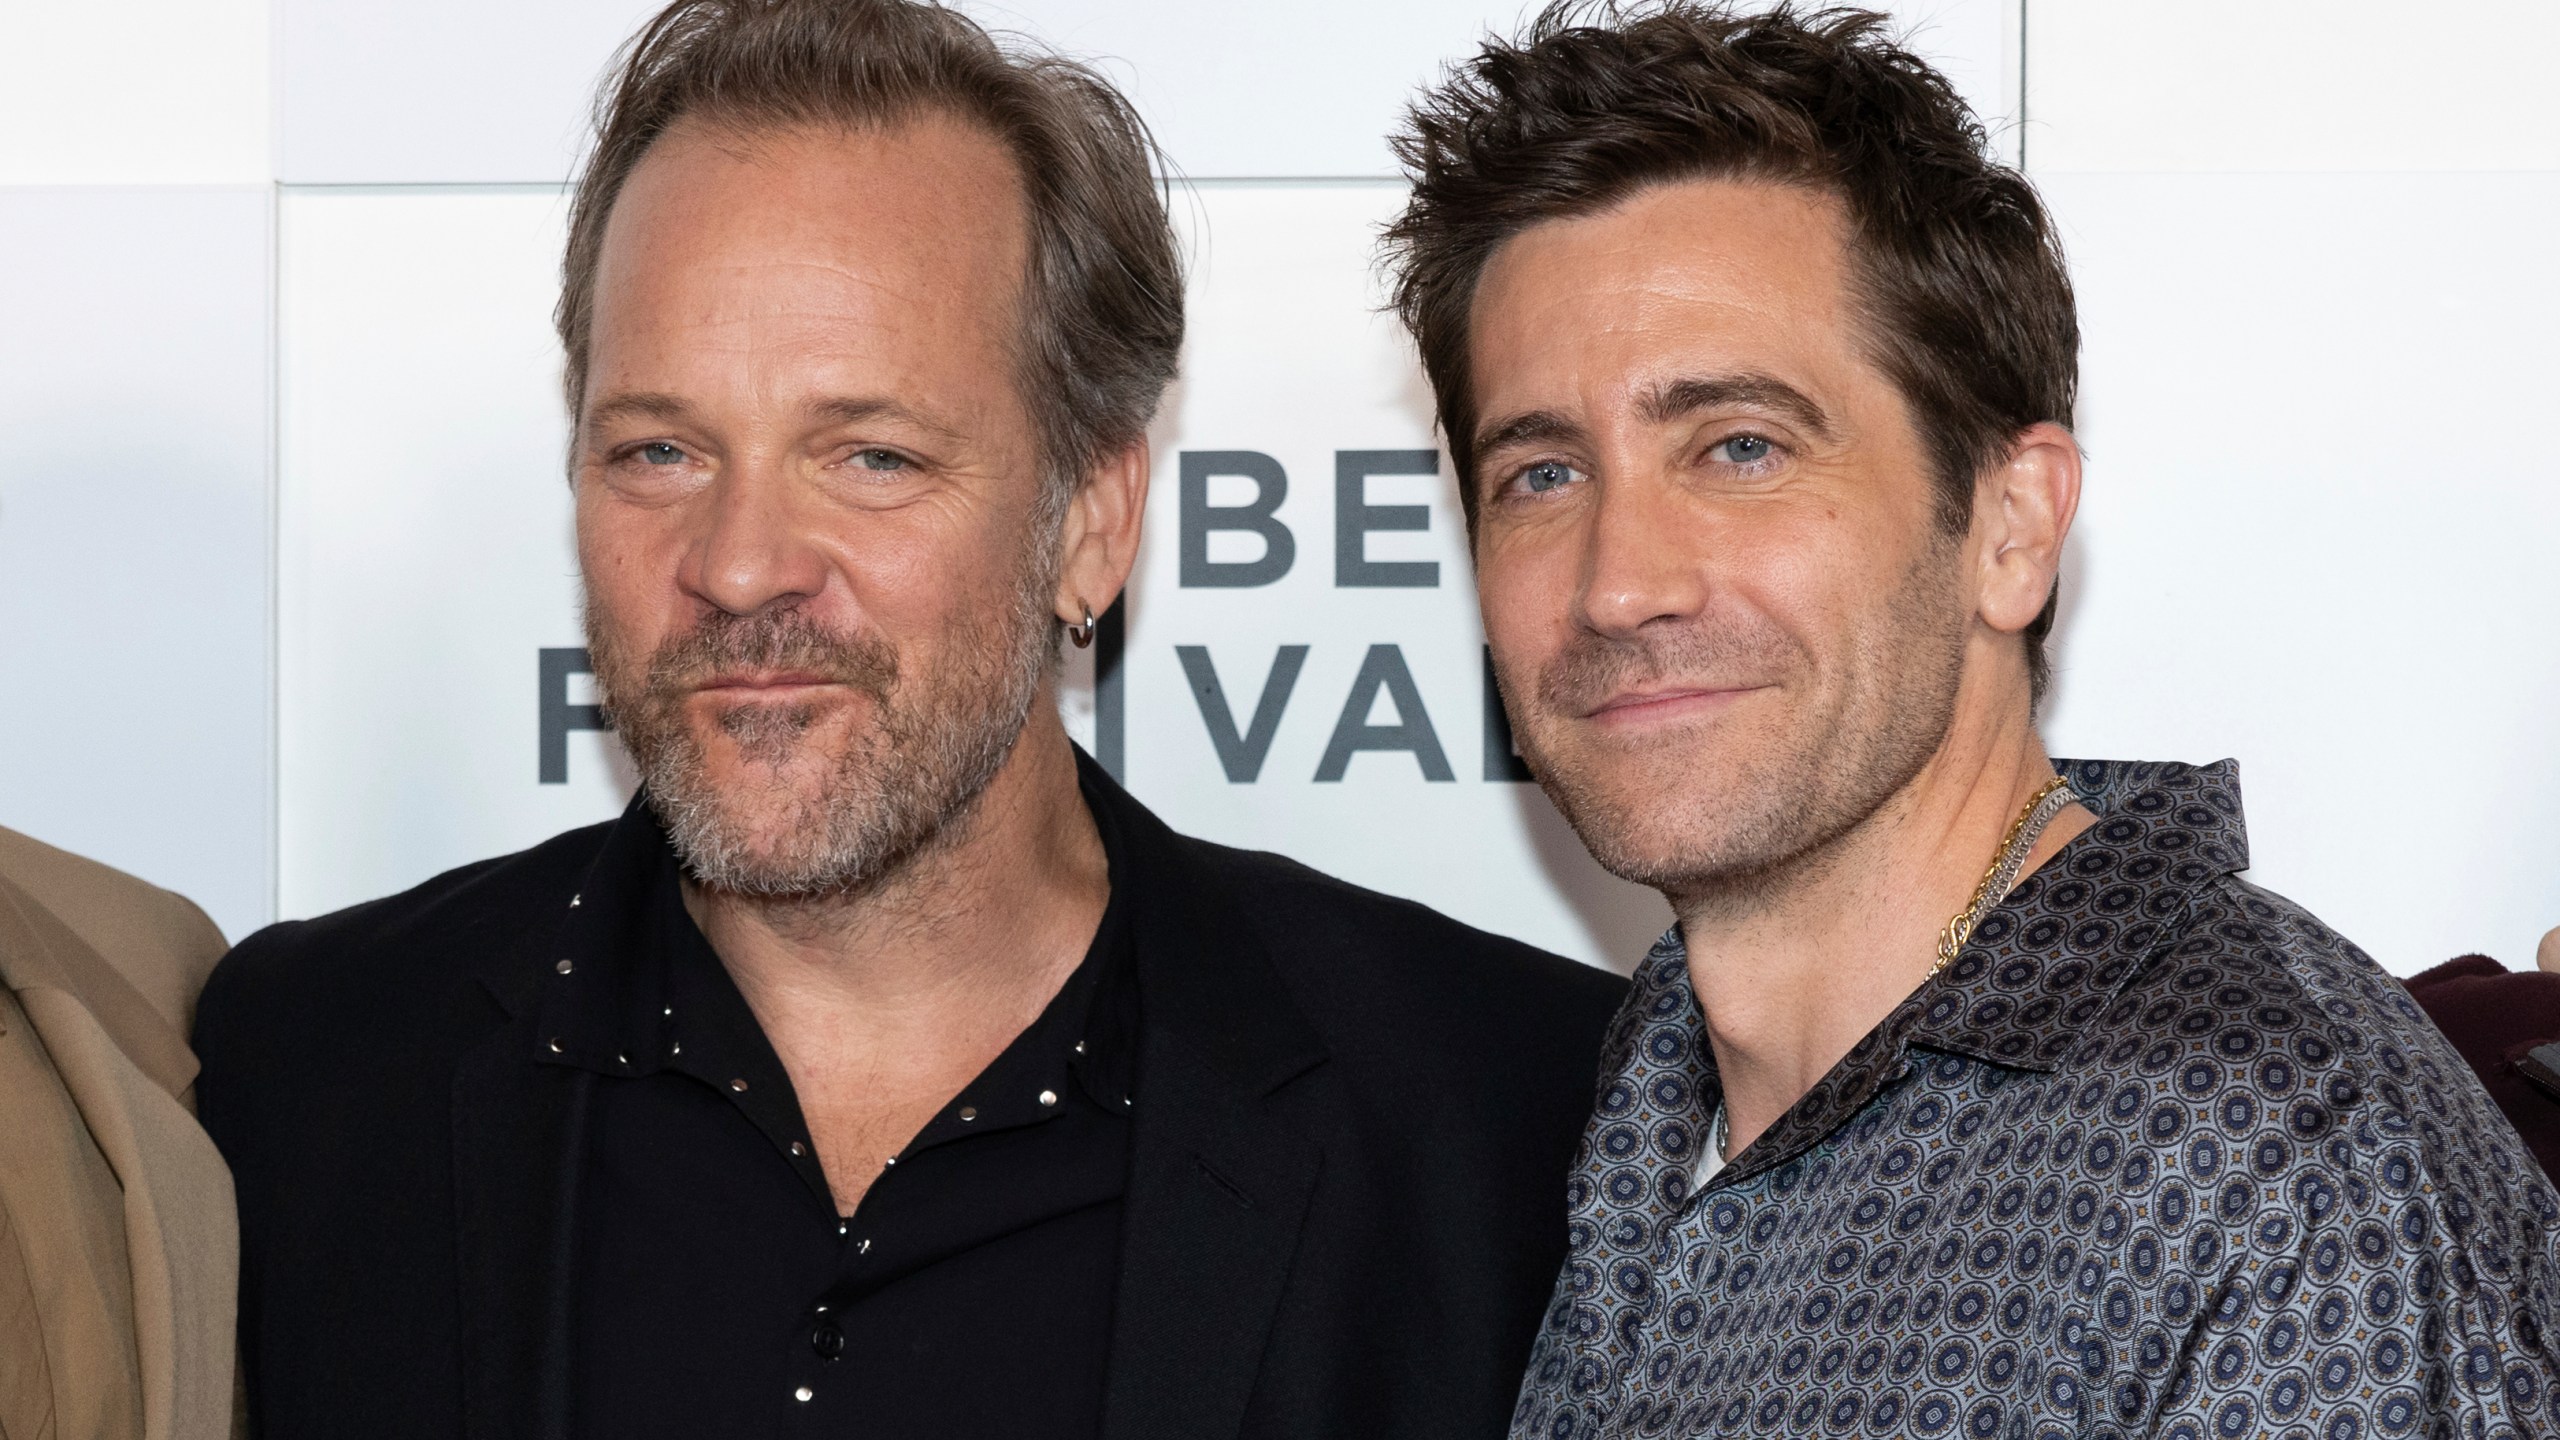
882	460
1743	449
659	452
1546	475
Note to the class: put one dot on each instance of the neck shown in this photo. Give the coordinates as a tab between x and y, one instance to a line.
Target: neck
1797	969
913	984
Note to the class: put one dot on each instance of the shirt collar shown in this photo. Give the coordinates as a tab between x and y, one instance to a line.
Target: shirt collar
2040	968
2044	964
628	958
609	977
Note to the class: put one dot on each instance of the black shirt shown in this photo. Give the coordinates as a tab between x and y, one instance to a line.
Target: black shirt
1340	1214
718	1291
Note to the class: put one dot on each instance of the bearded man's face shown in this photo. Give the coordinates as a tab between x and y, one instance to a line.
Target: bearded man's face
1728	615
813	521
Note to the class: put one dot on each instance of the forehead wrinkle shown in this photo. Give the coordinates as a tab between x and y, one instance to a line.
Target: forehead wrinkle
836	297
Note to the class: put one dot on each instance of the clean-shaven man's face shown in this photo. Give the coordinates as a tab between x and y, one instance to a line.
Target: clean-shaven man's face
811	523
1726	617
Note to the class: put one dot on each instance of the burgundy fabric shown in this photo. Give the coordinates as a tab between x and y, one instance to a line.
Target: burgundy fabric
2493	1016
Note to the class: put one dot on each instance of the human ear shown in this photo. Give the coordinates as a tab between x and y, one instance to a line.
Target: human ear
2029	500
1099	545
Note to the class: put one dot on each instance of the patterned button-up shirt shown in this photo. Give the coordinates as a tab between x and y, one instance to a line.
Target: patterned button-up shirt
2159	1154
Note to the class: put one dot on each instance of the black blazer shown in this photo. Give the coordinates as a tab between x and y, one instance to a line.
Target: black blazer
1345	1209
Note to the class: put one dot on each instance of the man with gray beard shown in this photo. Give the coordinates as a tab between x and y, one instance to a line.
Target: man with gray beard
885	1070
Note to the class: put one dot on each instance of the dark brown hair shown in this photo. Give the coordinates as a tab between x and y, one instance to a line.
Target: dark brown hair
1102	302
1961	281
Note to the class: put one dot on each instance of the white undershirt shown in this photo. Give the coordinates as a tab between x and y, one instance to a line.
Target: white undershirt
1710	1158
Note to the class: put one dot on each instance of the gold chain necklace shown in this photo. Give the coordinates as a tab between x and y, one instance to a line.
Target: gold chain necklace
2012	856
2005	864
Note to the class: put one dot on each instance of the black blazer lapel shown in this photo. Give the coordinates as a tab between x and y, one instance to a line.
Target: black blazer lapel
519	1147
1220	1180
518	1132
1216	1198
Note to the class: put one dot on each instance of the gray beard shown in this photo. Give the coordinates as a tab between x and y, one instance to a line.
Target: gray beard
905	786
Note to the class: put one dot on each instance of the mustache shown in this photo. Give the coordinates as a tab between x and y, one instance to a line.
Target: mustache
1591	668
770	640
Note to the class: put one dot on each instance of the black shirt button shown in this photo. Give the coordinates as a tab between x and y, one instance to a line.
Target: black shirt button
827	1339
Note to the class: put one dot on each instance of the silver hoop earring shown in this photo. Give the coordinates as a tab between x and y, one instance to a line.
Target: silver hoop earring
1082	634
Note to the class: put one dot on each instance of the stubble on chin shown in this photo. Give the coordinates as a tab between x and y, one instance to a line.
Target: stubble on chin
1726	809
815	800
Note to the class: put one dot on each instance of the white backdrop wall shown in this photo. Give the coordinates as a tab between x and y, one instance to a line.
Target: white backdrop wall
287	604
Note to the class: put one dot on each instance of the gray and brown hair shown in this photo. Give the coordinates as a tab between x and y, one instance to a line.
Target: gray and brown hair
1102	302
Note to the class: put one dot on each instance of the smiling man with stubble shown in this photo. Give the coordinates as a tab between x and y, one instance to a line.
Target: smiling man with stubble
885	1070
1974	1093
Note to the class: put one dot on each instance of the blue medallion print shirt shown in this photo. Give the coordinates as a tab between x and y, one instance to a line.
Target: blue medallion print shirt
2158	1155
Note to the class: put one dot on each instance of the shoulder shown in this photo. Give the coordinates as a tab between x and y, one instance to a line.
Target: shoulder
2264	1027
2282	1006
2282	972
158	940
2249	974
386	956
1343	947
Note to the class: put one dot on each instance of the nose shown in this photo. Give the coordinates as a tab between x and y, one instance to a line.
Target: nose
753	549
1643	557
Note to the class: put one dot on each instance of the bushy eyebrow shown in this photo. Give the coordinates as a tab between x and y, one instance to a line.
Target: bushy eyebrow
1666	402
855	411
1536	427
638	405
1673	399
